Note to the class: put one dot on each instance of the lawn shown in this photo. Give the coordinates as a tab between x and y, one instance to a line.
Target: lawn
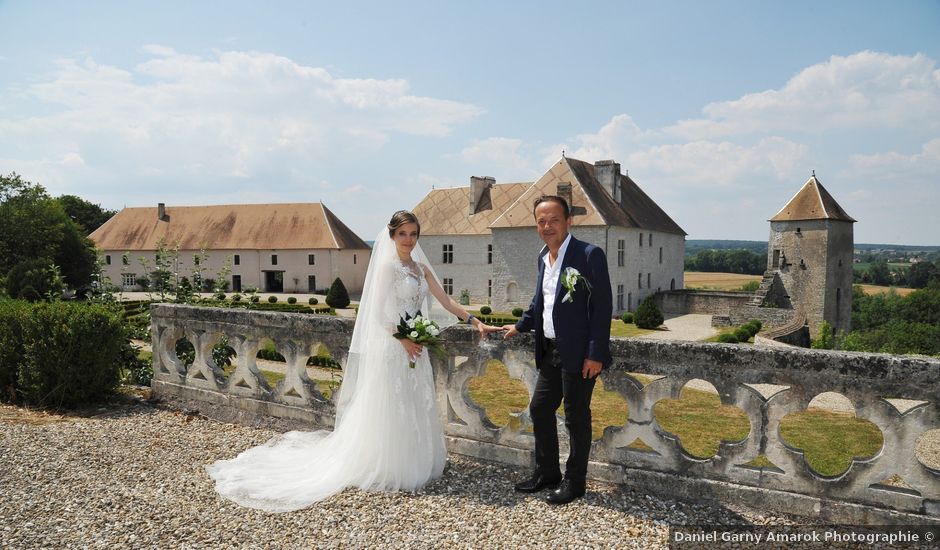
698	418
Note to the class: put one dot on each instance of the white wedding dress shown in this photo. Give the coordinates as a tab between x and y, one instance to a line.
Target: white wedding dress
388	434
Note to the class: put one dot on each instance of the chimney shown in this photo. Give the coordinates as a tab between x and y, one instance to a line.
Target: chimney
161	212
480	193
607	173
564	191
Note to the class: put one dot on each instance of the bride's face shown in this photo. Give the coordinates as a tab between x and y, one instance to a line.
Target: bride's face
406	237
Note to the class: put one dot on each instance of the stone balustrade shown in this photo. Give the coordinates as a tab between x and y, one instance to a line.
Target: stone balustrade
766	383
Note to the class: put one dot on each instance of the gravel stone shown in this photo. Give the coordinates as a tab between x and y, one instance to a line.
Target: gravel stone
131	475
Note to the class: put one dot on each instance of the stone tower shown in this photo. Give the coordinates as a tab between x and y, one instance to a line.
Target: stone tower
810	254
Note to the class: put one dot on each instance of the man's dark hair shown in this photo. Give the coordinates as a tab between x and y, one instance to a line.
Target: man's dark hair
552	198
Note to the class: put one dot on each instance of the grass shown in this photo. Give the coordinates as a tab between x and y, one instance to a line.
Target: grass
717	281
875	289
626	330
839	438
829	439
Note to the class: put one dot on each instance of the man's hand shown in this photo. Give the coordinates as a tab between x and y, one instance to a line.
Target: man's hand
591	368
510	331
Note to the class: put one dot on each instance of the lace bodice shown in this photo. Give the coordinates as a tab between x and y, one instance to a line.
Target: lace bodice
411	288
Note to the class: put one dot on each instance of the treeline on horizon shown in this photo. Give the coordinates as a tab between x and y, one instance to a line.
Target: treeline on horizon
891	323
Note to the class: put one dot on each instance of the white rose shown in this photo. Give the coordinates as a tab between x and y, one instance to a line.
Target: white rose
413	334
434	331
411	324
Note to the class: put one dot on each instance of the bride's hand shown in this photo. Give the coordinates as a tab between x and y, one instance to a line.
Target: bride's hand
486	329
412	349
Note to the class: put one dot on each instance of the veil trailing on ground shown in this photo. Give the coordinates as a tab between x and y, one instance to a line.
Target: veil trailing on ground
377	317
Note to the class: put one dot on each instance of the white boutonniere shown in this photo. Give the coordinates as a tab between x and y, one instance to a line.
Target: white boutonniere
569	280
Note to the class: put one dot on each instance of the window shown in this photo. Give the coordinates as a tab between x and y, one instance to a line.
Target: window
489	253
648	285
621	245
355	258
107	259
129	279
660	254
776	260
672	284
649	241
236	283
237	260
641	240
449	286
311	259
639	280
311	283
619	297
448	254
125	259
489	288
273	259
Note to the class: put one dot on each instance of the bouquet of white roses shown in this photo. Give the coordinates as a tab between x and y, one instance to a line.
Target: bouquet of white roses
420	330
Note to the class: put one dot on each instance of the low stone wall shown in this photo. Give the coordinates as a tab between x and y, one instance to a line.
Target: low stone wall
855	496
726	308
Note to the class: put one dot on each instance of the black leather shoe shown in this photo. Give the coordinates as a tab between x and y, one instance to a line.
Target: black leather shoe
566	492
537	482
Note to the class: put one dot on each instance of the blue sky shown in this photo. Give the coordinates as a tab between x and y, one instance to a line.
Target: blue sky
719	110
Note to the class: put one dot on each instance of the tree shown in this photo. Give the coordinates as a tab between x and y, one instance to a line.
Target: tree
33	226
921	273
647	315
879	274
87	215
337	297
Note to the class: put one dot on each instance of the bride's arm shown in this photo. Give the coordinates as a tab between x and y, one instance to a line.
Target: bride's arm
450	305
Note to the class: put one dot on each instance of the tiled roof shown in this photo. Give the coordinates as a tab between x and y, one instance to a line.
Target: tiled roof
812	202
228	227
446	211
591	203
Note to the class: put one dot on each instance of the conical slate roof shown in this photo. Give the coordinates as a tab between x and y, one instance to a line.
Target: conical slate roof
812	202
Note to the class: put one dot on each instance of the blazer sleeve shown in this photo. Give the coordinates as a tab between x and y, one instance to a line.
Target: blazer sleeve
600	307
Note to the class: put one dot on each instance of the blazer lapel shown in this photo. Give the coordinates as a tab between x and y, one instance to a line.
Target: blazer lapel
565	262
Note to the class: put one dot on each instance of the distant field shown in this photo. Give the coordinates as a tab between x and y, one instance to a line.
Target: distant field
863	266
717	281
875	289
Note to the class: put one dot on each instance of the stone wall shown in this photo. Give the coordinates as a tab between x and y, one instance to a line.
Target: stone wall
797	375
470	269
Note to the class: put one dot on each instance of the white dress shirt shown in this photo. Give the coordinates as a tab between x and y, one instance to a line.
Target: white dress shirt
550	287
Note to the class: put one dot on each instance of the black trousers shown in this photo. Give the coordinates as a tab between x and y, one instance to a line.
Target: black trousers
555	385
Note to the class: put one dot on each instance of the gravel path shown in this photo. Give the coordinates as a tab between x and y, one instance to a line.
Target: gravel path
131	475
694	326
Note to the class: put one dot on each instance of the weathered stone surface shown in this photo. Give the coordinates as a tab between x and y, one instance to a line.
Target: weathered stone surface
865	379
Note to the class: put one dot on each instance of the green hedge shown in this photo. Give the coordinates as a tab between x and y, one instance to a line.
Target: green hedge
60	354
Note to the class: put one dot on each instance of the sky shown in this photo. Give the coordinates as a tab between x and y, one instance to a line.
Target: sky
719	110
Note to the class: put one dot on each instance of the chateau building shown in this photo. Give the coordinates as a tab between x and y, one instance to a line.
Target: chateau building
483	238
299	247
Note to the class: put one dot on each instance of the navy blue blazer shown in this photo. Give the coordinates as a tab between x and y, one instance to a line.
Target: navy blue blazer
582	326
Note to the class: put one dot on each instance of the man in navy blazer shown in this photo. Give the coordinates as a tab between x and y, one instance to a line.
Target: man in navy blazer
571	313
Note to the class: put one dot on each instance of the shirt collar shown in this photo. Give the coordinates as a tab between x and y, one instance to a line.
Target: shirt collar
561	253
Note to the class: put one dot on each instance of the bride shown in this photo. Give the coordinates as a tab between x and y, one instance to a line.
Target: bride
388	434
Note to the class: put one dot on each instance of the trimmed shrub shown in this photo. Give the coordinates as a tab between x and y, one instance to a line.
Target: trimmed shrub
292	300
337	297
756	326
648	315
272	299
486	310
14	314
627	318
313	301
32	280
236	297
254	299
72	354
517	311
220	296
742	334
727	338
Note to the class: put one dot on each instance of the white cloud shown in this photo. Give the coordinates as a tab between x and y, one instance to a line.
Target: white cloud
894	167
862	90
497	155
235	114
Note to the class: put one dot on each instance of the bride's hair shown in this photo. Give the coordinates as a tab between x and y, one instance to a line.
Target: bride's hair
399	219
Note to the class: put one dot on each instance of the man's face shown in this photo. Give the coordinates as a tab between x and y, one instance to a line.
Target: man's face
551	223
